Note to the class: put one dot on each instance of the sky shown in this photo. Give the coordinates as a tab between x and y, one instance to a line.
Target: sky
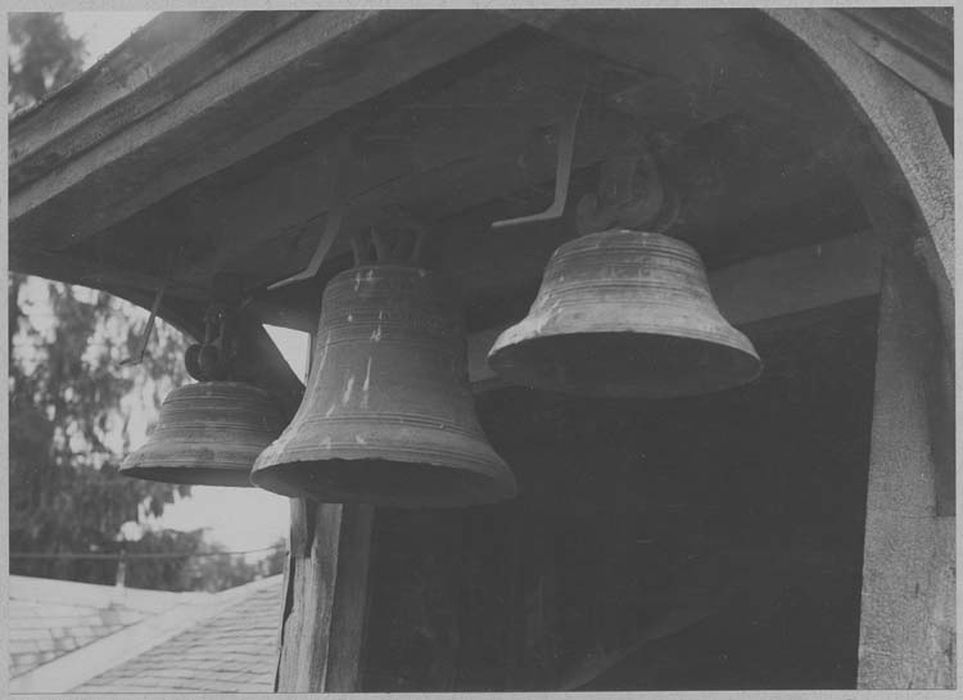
102	31
241	519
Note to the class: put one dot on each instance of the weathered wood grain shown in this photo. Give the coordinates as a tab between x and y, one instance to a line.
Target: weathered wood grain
908	618
915	43
459	146
345	58
325	598
163	42
172	55
903	120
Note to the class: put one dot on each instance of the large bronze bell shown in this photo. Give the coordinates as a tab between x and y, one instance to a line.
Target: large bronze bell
624	313
207	433
388	416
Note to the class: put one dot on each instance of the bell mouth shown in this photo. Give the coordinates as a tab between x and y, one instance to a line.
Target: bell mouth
382	482
625	365
196	476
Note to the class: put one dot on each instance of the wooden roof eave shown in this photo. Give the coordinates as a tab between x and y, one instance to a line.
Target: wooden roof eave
96	153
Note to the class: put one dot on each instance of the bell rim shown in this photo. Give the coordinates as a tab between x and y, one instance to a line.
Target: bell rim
503	359
205	476
286	479
519	335
187	447
194	452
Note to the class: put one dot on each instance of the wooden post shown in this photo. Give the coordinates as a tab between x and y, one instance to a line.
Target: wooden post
907	624
325	598
325	595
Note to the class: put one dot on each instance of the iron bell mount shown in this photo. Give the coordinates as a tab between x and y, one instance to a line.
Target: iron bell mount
388	417
623	311
208	433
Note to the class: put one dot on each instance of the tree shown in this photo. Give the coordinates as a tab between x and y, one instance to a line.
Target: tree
70	400
43	56
218	570
70	408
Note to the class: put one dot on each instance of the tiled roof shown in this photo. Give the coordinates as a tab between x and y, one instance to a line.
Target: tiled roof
48	619
233	651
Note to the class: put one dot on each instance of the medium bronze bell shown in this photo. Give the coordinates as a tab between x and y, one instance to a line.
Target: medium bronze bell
207	433
388	416
624	313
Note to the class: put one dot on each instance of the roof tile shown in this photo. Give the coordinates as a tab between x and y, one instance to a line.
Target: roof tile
235	651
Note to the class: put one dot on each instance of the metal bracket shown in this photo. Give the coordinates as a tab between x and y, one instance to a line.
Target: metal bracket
333	218
563	170
155	307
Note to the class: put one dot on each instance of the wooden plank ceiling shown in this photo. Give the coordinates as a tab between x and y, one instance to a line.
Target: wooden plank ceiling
216	135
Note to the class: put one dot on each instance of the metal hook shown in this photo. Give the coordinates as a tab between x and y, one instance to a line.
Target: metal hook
563	170
333	218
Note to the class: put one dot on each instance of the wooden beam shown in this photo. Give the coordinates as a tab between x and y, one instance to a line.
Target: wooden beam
262	364
916	48
904	122
76	269
302	75
451	151
759	289
908	613
326	594
172	54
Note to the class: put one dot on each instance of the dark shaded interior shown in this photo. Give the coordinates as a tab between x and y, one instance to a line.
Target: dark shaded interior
709	542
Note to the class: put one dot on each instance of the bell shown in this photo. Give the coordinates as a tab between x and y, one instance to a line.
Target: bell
207	433
388	416
624	313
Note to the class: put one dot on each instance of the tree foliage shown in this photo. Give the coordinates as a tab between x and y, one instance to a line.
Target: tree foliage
72	403
43	57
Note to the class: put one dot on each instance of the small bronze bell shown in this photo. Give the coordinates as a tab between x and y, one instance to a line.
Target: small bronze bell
624	313
388	416
207	433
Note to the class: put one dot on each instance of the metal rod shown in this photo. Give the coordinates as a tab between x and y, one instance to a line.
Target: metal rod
148	330
333	218
563	171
